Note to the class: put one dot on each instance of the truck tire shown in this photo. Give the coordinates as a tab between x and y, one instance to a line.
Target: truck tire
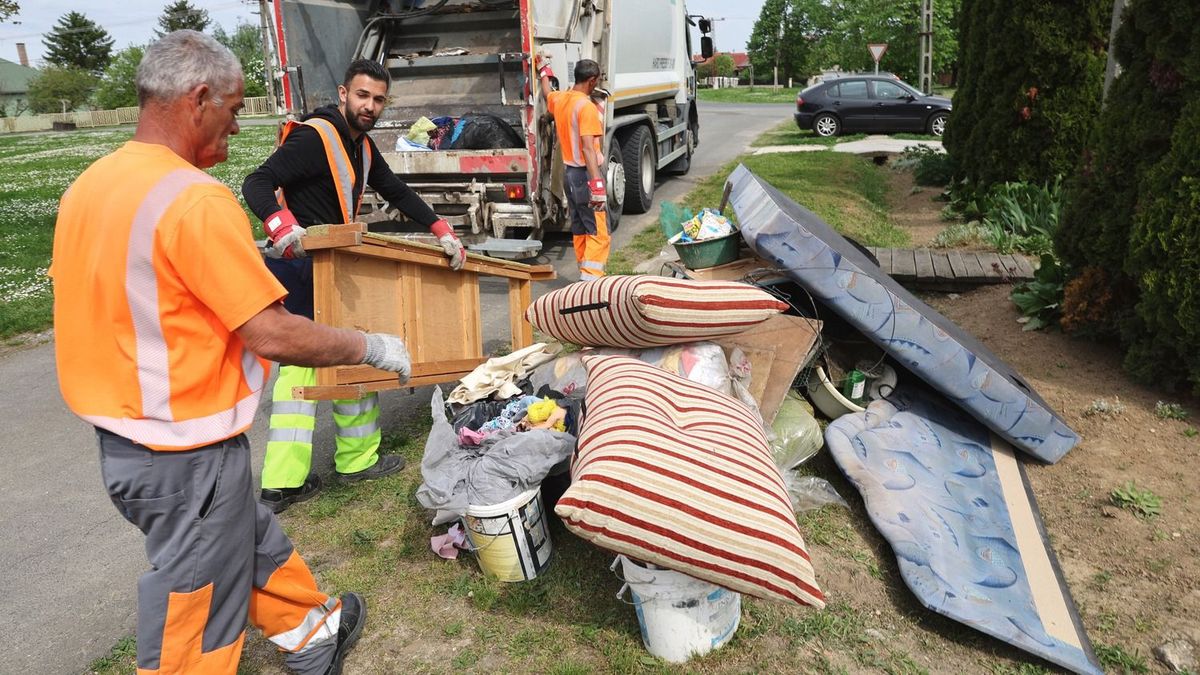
640	162
682	165
615	180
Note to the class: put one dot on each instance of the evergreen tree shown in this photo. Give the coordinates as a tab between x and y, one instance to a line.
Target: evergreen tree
118	86
180	15
77	42
246	43
1032	72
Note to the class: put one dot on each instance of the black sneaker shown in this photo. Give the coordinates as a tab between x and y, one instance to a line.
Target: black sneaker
279	499
354	616
385	466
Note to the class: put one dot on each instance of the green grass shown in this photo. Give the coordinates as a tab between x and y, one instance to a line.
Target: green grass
35	170
787	133
745	94
846	191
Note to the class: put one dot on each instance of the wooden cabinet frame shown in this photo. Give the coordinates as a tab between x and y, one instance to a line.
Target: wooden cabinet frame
384	284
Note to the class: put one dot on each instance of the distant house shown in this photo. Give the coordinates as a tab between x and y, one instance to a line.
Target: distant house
741	61
14	86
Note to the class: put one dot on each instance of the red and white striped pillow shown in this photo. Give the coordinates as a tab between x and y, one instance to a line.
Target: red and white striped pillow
646	311
679	475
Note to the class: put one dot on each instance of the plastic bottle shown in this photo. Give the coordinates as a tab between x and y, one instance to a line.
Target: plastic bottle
854	386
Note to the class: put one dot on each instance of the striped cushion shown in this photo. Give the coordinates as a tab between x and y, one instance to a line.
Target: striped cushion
646	311
679	475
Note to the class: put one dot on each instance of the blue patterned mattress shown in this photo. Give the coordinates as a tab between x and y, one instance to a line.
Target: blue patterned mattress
954	503
927	343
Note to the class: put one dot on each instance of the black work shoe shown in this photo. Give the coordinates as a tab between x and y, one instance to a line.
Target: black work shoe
354	616
385	466
278	499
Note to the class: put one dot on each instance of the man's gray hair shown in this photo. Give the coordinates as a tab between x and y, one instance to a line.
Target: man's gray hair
180	61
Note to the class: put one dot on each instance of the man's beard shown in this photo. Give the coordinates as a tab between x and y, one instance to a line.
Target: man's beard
354	121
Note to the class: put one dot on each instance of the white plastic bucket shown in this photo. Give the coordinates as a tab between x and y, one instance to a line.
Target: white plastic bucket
680	616
510	539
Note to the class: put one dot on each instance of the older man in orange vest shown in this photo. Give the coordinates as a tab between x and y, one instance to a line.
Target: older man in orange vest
164	316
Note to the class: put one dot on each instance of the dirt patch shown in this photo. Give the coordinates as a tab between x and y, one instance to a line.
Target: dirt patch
913	209
1135	579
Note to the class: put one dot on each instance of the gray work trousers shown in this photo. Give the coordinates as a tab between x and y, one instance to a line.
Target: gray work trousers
212	548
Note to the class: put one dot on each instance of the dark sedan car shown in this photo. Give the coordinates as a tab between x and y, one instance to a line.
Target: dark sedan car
869	103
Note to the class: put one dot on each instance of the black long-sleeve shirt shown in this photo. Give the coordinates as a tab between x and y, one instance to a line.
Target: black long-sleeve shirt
300	167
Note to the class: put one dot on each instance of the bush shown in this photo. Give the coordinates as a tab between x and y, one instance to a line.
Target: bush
1023	217
1025	106
1040	300
930	167
1133	210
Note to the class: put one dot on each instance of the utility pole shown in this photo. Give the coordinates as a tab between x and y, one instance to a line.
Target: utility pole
268	57
778	49
926	33
1111	69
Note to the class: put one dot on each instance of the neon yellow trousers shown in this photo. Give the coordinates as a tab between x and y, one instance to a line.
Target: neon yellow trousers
289	441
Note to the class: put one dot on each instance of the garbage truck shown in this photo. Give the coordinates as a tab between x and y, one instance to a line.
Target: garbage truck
465	62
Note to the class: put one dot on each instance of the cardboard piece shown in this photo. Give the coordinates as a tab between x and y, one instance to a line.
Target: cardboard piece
778	349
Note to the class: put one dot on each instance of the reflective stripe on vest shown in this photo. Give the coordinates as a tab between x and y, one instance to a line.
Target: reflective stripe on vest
339	165
157	425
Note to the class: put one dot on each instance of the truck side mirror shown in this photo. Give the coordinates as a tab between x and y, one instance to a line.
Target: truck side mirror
705	25
706	47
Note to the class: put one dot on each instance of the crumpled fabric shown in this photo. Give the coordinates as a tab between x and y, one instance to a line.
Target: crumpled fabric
543	410
506	464
447	545
497	377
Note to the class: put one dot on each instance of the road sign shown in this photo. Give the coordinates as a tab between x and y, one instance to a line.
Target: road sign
877	50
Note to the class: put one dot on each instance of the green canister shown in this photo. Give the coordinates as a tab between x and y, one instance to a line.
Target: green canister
855	385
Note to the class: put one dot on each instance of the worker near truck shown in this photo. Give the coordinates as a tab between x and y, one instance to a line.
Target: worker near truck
317	175
164	319
580	127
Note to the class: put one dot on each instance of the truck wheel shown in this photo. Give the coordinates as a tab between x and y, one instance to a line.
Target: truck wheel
682	165
615	179
638	150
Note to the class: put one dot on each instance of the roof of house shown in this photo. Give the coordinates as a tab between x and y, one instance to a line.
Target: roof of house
740	59
14	77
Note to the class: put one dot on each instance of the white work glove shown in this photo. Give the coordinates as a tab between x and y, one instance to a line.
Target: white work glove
452	247
454	250
284	235
387	352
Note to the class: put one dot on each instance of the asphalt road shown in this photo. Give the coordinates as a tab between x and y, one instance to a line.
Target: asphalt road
71	562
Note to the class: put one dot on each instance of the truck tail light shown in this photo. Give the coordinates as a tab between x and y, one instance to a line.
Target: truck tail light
515	191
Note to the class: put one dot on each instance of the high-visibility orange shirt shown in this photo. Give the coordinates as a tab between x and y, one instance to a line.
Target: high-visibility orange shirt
154	269
574	116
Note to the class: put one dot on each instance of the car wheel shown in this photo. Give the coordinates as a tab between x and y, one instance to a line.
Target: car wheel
827	125
638	152
937	124
615	179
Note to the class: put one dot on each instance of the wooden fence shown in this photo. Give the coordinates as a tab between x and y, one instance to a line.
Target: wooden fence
259	105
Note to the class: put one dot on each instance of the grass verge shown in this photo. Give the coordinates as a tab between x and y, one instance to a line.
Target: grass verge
35	170
756	94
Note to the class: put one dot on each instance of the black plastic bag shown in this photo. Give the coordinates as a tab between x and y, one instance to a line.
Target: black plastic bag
482	131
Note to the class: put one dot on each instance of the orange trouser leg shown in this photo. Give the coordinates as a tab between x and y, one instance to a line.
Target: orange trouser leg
285	603
591	250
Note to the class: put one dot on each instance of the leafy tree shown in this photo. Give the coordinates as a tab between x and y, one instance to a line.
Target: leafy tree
246	43
723	65
8	8
77	42
180	15
118	87
55	85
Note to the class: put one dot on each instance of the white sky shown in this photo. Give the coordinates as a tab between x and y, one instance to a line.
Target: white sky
133	21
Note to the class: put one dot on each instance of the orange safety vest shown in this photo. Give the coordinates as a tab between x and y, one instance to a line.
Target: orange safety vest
574	116
144	318
339	164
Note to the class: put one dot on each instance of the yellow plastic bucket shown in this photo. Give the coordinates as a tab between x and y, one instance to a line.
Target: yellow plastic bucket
511	540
